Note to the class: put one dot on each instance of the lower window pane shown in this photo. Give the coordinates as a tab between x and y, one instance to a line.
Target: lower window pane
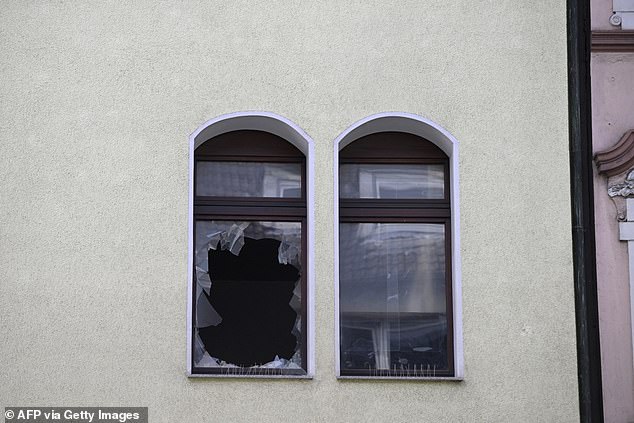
392	287
248	308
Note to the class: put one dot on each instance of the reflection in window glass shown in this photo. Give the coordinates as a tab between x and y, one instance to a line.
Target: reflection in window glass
248	179
392	302
248	315
392	181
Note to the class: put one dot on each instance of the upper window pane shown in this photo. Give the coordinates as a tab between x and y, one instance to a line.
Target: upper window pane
248	179
392	181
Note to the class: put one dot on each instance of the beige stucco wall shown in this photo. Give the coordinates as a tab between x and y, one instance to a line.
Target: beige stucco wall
98	100
612	116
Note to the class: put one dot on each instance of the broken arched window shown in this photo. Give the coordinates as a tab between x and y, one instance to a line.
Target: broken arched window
249	290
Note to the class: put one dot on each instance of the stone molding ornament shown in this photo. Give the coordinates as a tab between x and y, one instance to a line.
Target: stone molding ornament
624	189
613	41
617	164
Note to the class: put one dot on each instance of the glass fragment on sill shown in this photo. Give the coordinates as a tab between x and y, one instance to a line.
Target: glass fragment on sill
207	361
277	363
199	350
281	363
203	359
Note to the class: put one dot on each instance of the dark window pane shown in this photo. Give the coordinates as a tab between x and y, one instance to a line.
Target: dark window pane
248	296
393	298
392	181
248	179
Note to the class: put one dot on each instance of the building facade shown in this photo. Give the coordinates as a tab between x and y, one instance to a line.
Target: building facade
612	66
104	107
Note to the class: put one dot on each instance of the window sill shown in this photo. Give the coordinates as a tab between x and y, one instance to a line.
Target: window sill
219	376
404	379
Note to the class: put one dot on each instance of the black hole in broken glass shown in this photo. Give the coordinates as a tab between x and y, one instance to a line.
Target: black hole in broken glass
251	292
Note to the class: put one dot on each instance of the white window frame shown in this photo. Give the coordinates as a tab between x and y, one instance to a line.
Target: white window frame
425	128
284	128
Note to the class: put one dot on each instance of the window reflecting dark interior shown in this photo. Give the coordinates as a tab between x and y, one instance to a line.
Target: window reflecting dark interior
248	179
392	181
393	298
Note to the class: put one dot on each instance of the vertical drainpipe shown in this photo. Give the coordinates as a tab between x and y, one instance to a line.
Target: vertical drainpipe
582	197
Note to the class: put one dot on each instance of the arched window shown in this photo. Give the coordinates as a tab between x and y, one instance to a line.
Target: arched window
249	290
395	275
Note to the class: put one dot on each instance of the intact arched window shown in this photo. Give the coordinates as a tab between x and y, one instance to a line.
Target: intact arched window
249	290
395	258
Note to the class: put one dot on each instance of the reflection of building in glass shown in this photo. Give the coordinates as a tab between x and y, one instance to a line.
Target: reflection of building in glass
248	179
392	181
394	341
395	284
393	296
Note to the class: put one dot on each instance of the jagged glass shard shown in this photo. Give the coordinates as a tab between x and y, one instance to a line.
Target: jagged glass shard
206	315
289	252
233	239
207	361
199	349
280	363
203	280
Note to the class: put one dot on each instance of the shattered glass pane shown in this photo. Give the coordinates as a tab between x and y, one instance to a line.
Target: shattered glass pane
249	308
248	179
393	299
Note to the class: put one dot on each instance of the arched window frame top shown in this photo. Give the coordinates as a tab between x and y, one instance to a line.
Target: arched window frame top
430	131
289	131
259	121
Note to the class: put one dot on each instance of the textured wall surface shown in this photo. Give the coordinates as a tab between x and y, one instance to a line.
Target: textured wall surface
601	11
613	115
98	99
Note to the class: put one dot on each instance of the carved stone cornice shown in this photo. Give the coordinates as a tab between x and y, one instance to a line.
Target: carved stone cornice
617	159
616	41
617	163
